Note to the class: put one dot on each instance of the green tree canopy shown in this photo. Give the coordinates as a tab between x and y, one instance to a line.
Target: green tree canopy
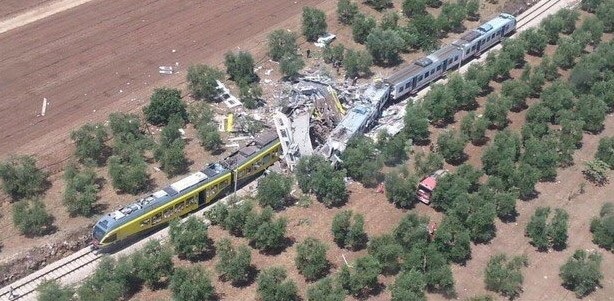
582	272
235	263
314	23
202	81
281	43
192	284
357	63
21	178
409	285
326	289
362	278
190	238
89	141
273	285
311	259
240	67
81	191
31	218
153	263
51	290
273	190
346	11
164	103
384	46
603	227
387	251
361	161
361	27
315	175
504	275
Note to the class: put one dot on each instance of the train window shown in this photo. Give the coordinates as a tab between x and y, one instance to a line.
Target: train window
407	85
450	61
145	223
473	48
401	89
420	78
467	52
456	58
438	67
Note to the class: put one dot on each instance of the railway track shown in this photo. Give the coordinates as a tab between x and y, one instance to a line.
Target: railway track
534	11
24	288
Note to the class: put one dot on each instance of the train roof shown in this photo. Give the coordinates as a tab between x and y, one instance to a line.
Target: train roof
406	72
249	151
185	185
161	197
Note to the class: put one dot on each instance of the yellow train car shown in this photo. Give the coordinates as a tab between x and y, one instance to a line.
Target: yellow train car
189	193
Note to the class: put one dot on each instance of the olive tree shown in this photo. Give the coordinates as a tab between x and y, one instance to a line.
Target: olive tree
504	275
346	10
326	289
31	218
192	284
602	227
273	190
164	103
89	141
21	178
202	81
81	191
51	290
582	272
235	263
311	259
314	23
281	43
190	238
240	67
273	285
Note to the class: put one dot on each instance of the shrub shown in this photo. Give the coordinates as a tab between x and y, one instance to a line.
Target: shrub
235	263
602	227
164	103
557	229
111	281
290	65
202	81
315	175
190	238
21	178
170	152
379	4
81	191
596	171
273	285
51	290
473	128
414	7
582	272
433	265
605	151
537	228
192	284
250	95
311	259
384	46
333	54
273	190
504	276
267	234
31	218
416	123
451	146
89	141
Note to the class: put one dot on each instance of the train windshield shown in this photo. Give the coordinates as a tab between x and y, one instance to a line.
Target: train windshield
98	233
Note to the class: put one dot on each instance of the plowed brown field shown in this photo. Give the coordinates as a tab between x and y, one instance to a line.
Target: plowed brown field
103	56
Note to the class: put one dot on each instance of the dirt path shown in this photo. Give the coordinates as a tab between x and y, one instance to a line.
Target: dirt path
38	13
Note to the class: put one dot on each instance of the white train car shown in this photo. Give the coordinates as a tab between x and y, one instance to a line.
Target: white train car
476	41
425	70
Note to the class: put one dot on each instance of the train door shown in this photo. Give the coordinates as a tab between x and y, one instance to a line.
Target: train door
445	65
413	83
202	198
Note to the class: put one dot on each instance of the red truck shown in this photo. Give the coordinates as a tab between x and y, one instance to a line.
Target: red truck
427	186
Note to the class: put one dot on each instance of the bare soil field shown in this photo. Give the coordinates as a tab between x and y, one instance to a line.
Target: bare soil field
15	7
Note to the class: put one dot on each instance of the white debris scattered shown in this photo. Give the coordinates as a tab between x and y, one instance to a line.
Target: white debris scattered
173	51
268	72
165	69
44	108
120	90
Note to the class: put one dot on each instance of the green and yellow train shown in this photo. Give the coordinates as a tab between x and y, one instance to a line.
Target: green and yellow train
188	194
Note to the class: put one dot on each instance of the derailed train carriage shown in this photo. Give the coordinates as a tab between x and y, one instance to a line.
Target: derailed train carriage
426	70
188	194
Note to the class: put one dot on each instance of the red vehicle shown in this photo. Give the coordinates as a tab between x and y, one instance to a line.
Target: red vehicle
427	186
